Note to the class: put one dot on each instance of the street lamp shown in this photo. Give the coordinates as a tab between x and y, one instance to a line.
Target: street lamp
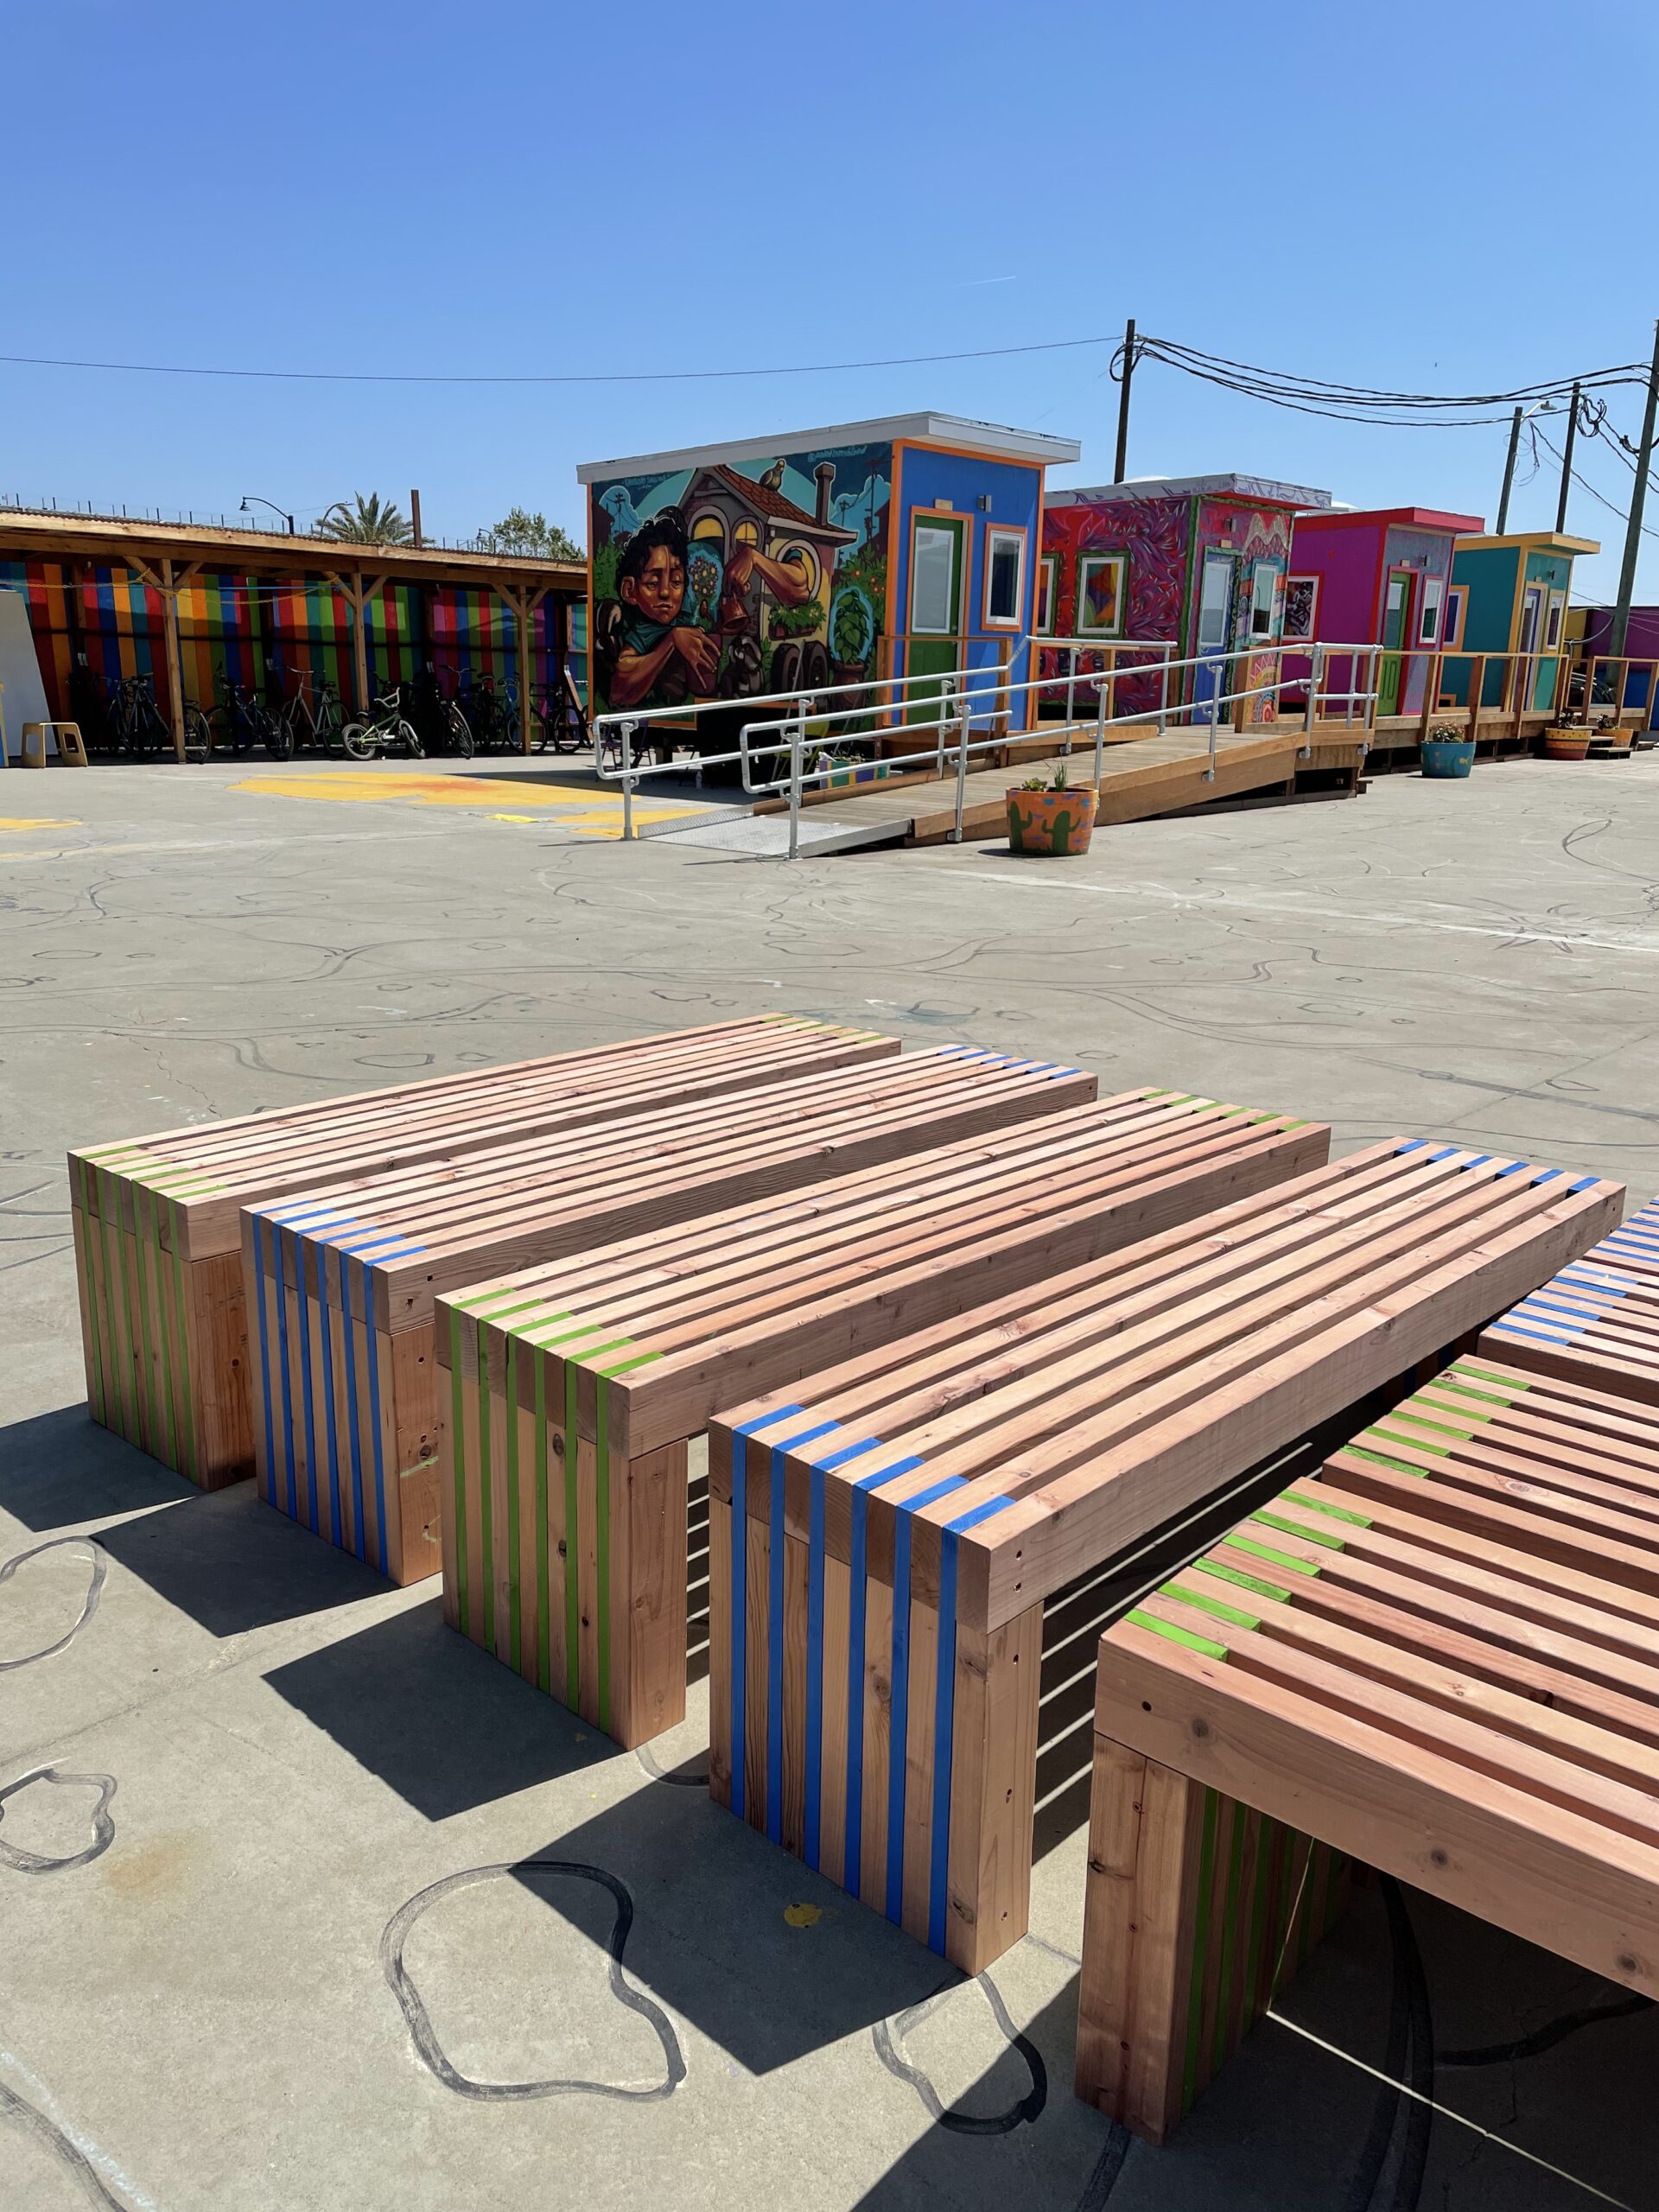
271	503
1538	407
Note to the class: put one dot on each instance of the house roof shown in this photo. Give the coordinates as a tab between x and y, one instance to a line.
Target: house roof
1400	518
774	504
1260	491
993	438
1537	541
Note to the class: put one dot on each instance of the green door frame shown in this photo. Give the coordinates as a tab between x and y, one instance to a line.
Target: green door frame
1395	621
934	652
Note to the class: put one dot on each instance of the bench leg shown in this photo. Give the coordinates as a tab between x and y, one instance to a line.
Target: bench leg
1197	1910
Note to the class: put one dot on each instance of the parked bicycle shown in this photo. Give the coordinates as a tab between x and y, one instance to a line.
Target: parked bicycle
313	718
492	723
133	721
241	719
562	718
388	731
438	718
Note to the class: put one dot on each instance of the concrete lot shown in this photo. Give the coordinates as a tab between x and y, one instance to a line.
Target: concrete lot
260	1757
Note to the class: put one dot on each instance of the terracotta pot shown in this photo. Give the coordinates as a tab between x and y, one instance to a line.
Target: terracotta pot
1051	821
1567	745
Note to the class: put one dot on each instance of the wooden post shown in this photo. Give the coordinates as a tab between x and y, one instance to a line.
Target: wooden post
175	666
1526	680
354	592
1431	697
1477	686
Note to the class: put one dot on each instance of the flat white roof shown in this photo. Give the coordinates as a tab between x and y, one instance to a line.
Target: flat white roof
940	429
1214	487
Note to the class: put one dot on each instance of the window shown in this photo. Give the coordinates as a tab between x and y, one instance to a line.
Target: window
1005	577
1553	629
1264	589
1429	617
1103	588
1457	599
797	555
747	533
1048	593
1302	606
710	523
933	579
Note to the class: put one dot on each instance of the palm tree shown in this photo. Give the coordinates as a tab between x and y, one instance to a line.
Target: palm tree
368	521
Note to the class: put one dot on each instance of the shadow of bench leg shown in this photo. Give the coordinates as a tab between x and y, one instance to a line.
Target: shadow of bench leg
1197	1910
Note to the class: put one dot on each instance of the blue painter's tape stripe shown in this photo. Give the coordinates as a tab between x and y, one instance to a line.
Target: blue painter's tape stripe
362	1547
1584	1183
1539	1305
1445	1152
1410	1144
740	1594
815	1539
308	1410
1546	1174
853	1840
899	1677
372	1336
1509	1328
1478	1159
775	1561
265	1366
945	1714
288	1395
330	1423
1515	1167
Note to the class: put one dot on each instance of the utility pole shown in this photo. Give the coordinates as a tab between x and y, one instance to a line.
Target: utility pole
1567	462
1123	463
1509	474
1638	500
414	517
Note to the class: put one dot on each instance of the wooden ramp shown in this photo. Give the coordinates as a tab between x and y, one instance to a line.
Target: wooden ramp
342	1285
158	1245
1441	1657
1144	775
626	1352
882	1537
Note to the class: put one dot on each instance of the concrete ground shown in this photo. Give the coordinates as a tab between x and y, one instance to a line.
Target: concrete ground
306	1902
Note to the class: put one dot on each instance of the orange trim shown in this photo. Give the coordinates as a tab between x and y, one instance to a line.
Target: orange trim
964	582
1015	622
895	508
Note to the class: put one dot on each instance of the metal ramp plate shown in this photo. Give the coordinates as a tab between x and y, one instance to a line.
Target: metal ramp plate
766	837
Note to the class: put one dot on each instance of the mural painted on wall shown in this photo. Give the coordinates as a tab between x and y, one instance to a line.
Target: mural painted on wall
1252	535
733	579
1151	586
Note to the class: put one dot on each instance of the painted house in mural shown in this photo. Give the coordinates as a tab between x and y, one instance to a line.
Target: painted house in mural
1515	591
1198	562
1378	575
903	546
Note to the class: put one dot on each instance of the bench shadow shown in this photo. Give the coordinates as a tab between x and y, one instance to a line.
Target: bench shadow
59	1468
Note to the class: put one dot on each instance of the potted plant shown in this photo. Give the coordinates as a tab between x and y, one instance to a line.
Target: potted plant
1566	744
1448	751
1051	817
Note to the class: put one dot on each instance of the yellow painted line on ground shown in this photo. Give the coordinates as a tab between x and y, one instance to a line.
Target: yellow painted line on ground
39	821
584	814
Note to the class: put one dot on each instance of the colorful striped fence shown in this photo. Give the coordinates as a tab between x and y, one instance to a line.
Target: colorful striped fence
158	1245
1442	1656
377	1253
575	1388
883	1537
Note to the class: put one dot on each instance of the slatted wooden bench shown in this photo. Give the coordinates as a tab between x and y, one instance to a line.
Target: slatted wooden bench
1441	1657
882	1538
1598	1321
158	1249
342	1285
573	1390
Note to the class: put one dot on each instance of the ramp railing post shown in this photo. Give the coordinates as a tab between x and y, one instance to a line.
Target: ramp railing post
1163	693
1315	676
964	727
796	741
628	781
1100	738
1215	715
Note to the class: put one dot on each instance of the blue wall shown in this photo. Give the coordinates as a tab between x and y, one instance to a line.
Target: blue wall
926	477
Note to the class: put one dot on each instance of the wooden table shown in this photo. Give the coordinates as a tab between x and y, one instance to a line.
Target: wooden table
342	1284
158	1253
572	1390
1441	1657
883	1537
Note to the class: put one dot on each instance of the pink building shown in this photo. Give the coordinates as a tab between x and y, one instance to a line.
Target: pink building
1381	576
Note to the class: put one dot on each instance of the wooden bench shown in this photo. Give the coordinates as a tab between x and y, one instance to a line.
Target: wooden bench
882	1538
158	1246
342	1284
615	1358
1598	1321
1441	1657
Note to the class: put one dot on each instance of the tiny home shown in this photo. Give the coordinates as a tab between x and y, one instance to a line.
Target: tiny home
1197	562
903	547
1379	576
1513	593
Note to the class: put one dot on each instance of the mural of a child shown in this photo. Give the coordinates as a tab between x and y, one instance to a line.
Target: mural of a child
659	651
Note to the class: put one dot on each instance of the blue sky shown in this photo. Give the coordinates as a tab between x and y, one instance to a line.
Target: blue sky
1369	194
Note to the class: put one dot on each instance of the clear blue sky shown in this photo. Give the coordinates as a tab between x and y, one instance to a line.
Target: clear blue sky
1444	199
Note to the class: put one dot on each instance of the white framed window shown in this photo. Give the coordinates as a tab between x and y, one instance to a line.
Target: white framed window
1429	613
1005	576
1264	586
1457	599
934	548
1552	627
1048	593
1302	606
1102	591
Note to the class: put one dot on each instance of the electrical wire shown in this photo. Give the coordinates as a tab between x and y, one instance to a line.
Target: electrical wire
1584	483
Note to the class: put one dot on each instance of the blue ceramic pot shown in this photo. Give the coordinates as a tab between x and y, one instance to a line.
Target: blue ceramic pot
1448	756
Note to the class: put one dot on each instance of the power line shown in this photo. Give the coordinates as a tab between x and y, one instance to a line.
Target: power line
1584	482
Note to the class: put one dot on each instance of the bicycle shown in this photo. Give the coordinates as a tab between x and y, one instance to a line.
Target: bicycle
438	718
382	733
490	722
318	723
562	718
245	720
133	721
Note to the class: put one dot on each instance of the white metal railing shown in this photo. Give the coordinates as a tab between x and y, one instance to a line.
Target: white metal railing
960	700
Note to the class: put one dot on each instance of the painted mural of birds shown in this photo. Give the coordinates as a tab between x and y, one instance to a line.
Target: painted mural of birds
772	478
619	507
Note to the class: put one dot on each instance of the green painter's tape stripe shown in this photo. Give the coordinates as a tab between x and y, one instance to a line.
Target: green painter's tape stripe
485	1493
1200	1947
1443	1427
1464	1391
1222	1611
1382	1459
515	1602
115	1399
603	1535
1314	1503
1410	1443
129	1365
149	1373
193	1465
1239	1579
92	1274
572	1550
463	1603
1229	1940
1325	1536
1244	1543
1211	1650
544	1659
157	1262
1496	1381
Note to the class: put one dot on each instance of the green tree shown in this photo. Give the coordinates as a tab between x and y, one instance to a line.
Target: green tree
368	521
519	532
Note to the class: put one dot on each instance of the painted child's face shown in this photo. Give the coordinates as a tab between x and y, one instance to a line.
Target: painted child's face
659	589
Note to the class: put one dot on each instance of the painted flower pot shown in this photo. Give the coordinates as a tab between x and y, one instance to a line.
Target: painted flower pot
1567	745
1448	756
1051	821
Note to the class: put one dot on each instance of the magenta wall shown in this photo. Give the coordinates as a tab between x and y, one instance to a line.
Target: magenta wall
1345	562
